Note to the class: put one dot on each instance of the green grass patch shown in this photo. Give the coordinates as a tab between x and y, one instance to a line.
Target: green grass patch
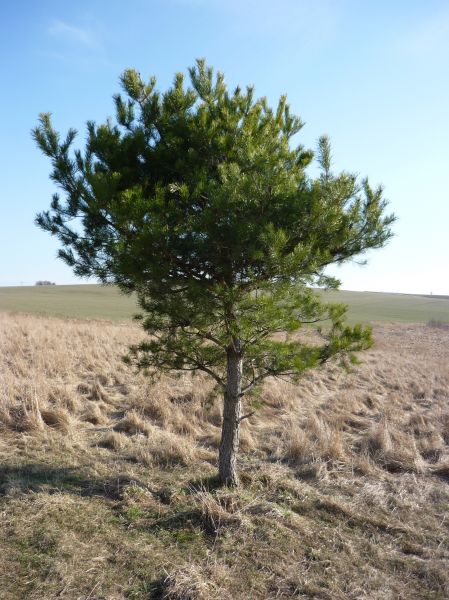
77	301
396	308
106	302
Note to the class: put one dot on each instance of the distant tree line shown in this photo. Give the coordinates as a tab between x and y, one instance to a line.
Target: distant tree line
43	282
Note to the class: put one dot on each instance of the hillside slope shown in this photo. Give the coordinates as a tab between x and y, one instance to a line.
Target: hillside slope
107	486
100	302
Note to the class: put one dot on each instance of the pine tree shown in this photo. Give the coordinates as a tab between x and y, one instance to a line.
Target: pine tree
198	201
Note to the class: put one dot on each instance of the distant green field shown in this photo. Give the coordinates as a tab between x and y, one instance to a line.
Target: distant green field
82	301
406	308
99	302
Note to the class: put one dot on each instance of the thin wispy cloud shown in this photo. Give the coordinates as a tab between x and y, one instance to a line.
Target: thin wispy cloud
79	35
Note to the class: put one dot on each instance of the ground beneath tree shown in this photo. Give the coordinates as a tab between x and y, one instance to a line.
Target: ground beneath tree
107	486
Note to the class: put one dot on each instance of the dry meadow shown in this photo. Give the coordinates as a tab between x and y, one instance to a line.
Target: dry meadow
107	488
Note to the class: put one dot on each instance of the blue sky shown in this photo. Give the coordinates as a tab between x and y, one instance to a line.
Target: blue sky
372	75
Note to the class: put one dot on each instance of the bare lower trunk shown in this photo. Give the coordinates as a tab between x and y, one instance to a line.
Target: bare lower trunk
229	444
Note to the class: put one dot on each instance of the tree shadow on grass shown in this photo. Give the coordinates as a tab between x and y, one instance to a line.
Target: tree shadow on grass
183	525
35	477
208	484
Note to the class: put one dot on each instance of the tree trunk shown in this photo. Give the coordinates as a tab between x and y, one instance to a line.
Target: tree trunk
229	445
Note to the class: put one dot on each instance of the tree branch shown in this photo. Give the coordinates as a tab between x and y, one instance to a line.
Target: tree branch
247	416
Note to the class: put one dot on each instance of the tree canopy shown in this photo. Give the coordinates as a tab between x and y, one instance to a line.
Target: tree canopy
199	201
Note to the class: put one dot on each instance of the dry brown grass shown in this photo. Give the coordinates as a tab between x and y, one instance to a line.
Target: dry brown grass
106	489
189	583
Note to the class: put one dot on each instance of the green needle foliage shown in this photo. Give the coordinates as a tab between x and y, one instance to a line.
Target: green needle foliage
199	202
